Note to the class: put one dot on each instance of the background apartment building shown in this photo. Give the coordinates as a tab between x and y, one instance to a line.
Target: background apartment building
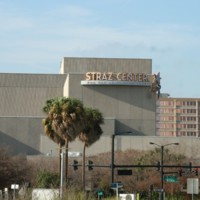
178	117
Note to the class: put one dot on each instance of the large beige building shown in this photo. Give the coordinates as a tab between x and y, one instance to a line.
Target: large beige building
119	88
178	117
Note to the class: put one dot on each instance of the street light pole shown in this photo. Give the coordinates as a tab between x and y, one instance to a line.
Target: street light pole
162	163
161	175
62	174
112	158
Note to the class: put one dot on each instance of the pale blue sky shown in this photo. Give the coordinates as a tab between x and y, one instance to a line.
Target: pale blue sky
36	35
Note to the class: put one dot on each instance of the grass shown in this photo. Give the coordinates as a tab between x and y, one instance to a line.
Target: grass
70	195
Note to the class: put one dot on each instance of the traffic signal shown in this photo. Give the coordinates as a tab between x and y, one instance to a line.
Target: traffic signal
190	166
151	187
158	166
75	164
90	165
180	171
196	171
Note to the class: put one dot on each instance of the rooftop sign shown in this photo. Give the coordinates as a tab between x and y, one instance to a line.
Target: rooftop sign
111	78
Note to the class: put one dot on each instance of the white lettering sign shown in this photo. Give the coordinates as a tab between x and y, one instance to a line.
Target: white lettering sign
121	76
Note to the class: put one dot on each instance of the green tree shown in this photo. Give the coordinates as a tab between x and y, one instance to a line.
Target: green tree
91	133
152	157
46	179
48	129
64	121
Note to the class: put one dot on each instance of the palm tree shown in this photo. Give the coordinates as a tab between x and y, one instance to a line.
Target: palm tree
91	133
64	121
47	122
54	137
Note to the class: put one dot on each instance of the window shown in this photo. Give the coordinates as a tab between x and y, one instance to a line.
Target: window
191	126
166	133
191	133
166	103
191	111
191	103
166	118
183	133
179	103
191	118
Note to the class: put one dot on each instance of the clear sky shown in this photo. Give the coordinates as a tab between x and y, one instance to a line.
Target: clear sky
36	35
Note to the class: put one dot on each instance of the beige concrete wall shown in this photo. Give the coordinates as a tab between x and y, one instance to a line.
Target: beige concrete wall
26	135
74	85
82	65
22	134
26	94
132	107
62	71
66	87
187	147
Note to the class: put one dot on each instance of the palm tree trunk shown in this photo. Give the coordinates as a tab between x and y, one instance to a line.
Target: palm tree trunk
83	167
59	156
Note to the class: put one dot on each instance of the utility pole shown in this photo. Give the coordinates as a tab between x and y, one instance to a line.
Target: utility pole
161	163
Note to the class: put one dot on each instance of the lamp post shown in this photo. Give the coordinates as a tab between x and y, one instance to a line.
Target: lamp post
127	133
161	164
62	165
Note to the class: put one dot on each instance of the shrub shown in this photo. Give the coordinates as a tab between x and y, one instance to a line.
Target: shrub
46	179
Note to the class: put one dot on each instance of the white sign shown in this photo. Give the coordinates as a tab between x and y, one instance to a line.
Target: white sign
115	83
111	76
42	194
193	186
120	78
15	186
74	154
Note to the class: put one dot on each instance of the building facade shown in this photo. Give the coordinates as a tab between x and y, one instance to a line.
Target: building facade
119	88
178	117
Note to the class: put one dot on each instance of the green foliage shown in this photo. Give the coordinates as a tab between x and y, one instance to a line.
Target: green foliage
47	179
67	118
94	116
92	130
139	182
